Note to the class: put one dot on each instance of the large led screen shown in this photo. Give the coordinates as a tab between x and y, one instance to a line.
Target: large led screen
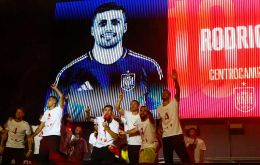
213	45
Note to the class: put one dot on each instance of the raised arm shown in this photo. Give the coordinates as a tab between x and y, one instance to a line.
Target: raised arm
89	118
118	104
177	85
61	100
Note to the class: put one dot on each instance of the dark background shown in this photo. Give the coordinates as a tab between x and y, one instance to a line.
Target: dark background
26	55
34	46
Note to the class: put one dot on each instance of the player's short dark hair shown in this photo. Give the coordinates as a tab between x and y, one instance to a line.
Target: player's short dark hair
108	106
21	108
190	129
151	118
107	7
54	97
136	102
166	90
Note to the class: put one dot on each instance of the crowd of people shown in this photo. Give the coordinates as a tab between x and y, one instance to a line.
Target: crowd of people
133	137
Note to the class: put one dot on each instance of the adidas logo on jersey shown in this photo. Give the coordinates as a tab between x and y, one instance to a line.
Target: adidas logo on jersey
86	86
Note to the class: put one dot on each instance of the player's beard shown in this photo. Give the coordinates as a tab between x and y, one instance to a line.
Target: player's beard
143	117
109	42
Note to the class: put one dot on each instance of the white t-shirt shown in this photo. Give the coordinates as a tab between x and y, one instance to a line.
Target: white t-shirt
37	140
130	122
16	133
92	139
148	134
104	138
52	120
200	145
170	119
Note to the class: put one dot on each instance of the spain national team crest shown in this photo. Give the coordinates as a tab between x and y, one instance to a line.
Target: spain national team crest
128	81
245	99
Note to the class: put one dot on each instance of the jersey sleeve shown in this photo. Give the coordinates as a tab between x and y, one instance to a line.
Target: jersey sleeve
44	117
96	120
202	145
126	114
114	127
27	129
90	139
7	125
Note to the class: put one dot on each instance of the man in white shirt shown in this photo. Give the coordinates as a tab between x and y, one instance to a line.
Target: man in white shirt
107	134
169	125
37	139
131	118
93	137
195	146
50	127
15	133
147	129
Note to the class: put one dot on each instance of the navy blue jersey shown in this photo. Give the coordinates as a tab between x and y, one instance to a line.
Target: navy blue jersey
90	83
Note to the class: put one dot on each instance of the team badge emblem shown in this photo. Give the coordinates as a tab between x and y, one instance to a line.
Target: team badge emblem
245	100
128	81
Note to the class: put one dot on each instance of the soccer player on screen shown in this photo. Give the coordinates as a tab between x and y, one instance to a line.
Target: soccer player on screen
169	125
108	68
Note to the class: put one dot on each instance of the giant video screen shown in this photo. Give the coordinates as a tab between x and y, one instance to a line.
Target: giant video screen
213	45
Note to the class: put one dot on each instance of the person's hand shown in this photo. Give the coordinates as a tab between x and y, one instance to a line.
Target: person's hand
87	110
121	95
28	153
54	86
1	149
105	125
121	132
174	74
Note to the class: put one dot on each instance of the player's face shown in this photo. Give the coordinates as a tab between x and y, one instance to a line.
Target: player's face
68	118
134	106
19	114
166	95
107	111
51	102
192	133
96	127
78	130
108	28
144	113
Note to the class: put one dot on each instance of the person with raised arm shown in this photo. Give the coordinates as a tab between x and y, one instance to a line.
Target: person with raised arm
108	128
147	130
50	126
131	118
169	125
